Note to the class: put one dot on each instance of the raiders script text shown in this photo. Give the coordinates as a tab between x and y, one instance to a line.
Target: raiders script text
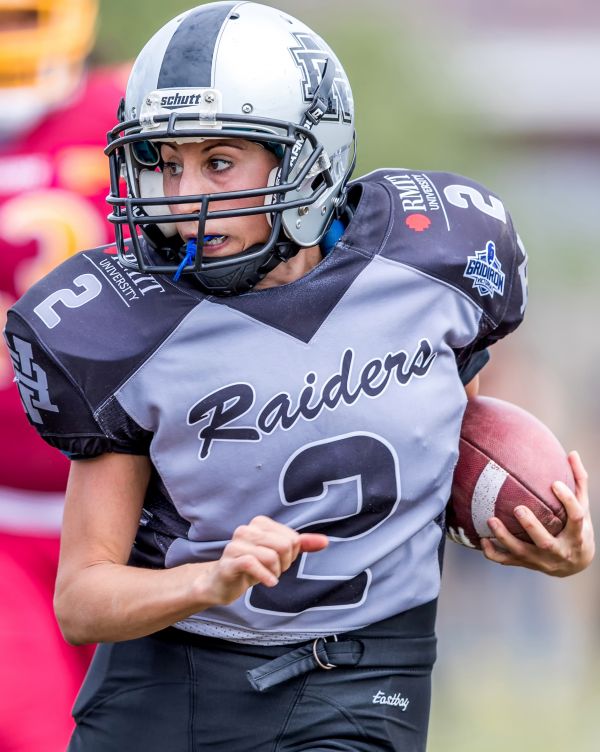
231	402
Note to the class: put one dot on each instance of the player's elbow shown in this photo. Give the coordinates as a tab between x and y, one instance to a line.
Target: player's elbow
70	619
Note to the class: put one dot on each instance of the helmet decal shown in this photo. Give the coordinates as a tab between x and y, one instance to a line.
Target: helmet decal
311	58
200	31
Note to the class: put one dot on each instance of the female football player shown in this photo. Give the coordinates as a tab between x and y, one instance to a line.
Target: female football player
261	393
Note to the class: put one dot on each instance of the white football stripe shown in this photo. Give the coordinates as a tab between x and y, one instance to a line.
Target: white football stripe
30	512
485	494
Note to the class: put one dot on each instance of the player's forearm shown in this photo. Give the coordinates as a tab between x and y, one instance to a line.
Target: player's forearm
108	602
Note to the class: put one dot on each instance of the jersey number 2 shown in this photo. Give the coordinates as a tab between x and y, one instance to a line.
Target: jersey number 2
461	195
367	465
91	288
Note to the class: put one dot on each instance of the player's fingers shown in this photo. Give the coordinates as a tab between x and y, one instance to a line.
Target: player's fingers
286	542
581	478
250	567
575	509
268	557
528	556
310	542
264	531
535	530
285	546
265	524
495	554
513	545
258	527
281	537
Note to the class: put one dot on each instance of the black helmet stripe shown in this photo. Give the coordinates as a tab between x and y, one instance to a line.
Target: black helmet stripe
189	55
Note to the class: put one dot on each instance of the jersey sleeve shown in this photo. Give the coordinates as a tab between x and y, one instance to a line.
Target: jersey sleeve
57	408
504	267
75	338
470	362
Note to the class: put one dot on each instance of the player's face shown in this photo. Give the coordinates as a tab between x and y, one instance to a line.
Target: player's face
216	166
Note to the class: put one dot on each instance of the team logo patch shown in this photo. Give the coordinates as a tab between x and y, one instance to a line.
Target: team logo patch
417	222
485	269
31	380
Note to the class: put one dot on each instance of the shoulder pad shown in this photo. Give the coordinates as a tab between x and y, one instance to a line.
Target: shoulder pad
100	320
457	231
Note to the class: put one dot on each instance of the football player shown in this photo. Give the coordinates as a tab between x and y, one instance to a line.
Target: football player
53	121
261	390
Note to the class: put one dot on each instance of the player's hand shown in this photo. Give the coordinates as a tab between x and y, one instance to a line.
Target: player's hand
569	552
258	553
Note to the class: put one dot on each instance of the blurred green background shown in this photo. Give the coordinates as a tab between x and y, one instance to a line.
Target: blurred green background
508	94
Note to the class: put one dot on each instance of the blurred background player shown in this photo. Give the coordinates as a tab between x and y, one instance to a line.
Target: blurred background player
54	115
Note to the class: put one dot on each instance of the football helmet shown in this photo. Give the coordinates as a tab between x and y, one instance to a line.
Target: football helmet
238	70
43	45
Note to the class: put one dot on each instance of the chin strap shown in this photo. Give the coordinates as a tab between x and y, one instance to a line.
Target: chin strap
238	278
242	277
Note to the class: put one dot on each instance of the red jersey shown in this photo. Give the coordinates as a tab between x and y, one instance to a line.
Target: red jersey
53	187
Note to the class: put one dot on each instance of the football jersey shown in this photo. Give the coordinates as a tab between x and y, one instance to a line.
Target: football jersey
53	186
332	404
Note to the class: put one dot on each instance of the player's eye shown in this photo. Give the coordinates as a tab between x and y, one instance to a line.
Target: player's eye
219	164
172	168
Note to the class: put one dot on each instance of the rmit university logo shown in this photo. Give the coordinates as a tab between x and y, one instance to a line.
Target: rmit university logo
485	270
311	57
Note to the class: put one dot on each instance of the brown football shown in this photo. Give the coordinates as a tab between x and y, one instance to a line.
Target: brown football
507	457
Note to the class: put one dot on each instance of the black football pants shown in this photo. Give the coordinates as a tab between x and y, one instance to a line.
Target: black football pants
176	692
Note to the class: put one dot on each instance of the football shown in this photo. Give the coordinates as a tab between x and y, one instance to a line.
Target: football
507	457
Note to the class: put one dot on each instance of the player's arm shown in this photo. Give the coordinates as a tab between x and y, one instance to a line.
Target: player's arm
571	551
99	598
472	388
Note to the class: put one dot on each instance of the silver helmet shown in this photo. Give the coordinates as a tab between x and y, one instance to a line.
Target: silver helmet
239	70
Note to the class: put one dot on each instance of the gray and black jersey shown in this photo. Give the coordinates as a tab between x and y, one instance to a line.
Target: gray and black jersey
332	404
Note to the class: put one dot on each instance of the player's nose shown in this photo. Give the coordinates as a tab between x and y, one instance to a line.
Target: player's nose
193	182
